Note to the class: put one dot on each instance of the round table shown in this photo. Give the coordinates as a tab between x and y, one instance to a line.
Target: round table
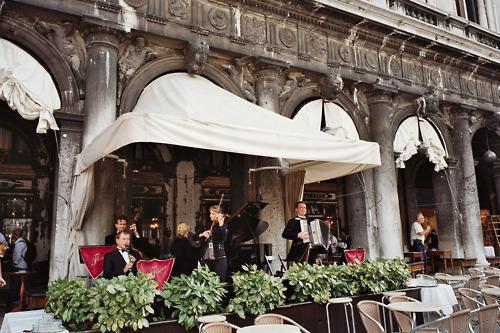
271	328
414	307
491	291
452	278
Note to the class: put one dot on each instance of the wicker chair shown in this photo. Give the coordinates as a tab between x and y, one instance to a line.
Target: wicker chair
473	282
457	322
406	324
493	280
475	272
472	299
369	312
272	318
395	299
222	327
487	318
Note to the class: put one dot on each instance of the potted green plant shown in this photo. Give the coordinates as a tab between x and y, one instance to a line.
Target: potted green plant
310	282
69	301
255	292
123	302
193	296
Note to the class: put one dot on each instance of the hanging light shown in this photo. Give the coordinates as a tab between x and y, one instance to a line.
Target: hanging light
489	155
423	148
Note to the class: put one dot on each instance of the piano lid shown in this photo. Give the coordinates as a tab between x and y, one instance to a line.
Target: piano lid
245	224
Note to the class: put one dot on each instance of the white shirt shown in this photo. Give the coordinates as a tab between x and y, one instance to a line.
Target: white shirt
125	256
415	228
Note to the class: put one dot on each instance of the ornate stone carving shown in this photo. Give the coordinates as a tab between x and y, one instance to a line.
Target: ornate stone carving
242	74
413	71
394	65
254	29
345	53
69	42
371	60
470	85
136	3
218	18
196	56
381	91
316	45
178	8
287	37
132	55
454	81
428	104
294	80
435	77
331	85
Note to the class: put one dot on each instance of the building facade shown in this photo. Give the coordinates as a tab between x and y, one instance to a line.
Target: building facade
397	72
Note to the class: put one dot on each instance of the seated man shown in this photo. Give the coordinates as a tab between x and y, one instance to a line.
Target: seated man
122	260
121	223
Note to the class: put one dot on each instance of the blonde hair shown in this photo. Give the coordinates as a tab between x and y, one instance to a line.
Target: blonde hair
215	208
182	230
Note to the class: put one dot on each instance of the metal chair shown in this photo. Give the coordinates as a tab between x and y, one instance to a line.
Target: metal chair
273	318
370	315
222	327
385	297
458	322
269	261
347	302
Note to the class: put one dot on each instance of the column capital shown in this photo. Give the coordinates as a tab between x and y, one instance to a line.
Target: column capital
381	91
101	33
331	85
452	162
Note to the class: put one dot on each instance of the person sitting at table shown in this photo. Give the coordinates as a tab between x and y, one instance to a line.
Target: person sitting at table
417	236
123	260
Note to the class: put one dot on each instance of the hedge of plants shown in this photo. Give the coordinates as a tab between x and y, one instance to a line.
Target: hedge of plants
128	302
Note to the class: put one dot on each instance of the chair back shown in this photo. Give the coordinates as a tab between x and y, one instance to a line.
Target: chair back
441	274
475	271
488	318
267	319
458	322
370	316
405	323
269	261
490	300
397	299
472	299
493	280
473	282
218	328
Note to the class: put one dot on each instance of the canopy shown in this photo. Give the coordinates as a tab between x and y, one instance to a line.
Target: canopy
189	110
27	87
406	142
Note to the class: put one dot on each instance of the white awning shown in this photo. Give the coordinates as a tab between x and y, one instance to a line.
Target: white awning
27	87
406	142
189	110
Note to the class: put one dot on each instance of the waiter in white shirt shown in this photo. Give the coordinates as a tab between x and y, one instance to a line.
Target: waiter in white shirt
417	236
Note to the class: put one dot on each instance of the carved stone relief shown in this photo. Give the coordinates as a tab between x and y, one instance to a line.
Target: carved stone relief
178	8
412	71
287	37
316	45
370	60
136	3
132	55
453	80
345	53
219	18
468	83
253	29
196	56
242	73
484	90
293	80
496	93
68	40
331	85
394	65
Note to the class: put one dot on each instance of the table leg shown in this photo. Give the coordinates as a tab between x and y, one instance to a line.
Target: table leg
445	265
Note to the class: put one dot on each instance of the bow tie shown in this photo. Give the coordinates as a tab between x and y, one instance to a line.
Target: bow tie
123	250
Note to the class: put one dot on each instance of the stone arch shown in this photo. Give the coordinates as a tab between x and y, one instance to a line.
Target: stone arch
442	129
312	91
43	50
162	66
483	120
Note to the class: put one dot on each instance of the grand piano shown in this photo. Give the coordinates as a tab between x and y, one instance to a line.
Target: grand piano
242	245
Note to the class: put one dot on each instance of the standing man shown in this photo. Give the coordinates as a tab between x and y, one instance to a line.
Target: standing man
4	247
300	241
122	260
121	223
417	236
19	251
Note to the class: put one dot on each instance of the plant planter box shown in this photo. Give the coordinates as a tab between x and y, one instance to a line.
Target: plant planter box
310	315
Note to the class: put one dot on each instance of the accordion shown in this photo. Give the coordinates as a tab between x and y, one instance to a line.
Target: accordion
317	232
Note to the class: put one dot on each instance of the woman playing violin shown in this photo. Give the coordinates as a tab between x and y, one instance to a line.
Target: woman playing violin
213	238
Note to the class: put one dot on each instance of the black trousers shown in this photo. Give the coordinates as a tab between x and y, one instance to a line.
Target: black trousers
418	246
219	266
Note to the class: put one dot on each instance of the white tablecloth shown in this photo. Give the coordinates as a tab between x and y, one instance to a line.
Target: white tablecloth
16	322
442	294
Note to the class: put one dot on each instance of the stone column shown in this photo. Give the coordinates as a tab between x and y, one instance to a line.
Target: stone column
467	188
481	13
447	214
100	112
69	146
490	14
496	175
267	88
380	100
361	213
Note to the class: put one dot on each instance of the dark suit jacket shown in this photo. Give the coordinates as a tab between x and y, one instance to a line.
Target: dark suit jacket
219	236
185	260
136	242
298	248
114	263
